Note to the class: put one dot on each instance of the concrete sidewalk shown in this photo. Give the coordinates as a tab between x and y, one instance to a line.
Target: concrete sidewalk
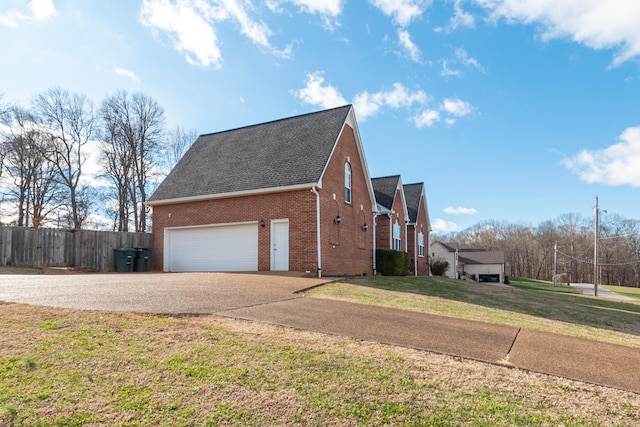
574	358
277	300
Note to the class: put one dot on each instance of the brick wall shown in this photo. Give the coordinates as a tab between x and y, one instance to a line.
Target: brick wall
412	239
297	206
345	247
384	225
422	225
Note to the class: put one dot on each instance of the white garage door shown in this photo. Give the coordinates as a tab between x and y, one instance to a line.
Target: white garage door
215	248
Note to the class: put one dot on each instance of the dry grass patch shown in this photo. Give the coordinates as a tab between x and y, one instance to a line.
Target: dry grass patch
68	367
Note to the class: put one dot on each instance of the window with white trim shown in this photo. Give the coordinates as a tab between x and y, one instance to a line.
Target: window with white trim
420	244
397	239
347	182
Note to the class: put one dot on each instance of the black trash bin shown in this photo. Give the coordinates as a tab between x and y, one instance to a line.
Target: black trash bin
124	259
143	259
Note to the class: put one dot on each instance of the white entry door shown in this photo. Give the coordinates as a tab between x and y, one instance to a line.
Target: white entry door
280	245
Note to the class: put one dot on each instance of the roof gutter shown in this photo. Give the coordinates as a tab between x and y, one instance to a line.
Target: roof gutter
232	194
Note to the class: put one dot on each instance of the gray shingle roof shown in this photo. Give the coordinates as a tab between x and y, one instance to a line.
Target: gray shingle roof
412	194
286	152
478	256
384	189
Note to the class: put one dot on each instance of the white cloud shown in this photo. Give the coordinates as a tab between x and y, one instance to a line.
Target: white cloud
441	226
446	71
316	92
126	73
456	107
452	108
320	7
463	57
597	24
614	165
427	118
402	11
369	104
407	44
192	35
366	104
328	10
39	10
460	19
42	10
191	26
258	32
460	211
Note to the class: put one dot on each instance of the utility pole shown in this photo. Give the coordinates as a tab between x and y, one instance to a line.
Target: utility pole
595	253
555	262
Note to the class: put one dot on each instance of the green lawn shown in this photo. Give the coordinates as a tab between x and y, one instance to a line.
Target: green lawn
525	303
624	290
62	367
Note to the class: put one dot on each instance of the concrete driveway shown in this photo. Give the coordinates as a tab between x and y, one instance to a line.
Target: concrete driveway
171	293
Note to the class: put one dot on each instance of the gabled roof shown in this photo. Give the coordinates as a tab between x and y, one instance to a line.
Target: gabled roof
384	189
287	153
413	194
448	246
478	256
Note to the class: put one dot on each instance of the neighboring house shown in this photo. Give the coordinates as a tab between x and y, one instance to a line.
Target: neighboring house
472	264
418	228
392	218
287	195
448	253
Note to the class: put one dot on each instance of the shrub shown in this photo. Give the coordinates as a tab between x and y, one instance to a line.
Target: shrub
390	262
439	267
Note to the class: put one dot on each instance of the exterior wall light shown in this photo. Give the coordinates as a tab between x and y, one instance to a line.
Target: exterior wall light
262	223
337	220
365	226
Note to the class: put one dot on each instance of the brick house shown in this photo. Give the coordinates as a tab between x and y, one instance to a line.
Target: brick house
392	217
286	195
418	228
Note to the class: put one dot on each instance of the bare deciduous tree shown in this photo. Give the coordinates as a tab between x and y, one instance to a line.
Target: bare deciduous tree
137	123
529	251
178	142
34	190
70	119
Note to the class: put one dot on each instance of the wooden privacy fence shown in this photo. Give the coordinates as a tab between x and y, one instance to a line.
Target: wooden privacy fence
49	247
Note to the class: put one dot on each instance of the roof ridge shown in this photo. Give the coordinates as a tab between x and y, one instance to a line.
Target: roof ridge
268	122
387	177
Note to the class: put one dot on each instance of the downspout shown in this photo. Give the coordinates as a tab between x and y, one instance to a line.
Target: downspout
428	244
415	251
314	189
406	236
375	215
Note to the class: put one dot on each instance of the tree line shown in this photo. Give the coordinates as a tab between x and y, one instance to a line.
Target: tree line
45	146
570	239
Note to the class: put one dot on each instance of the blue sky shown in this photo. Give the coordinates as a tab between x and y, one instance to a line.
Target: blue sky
507	110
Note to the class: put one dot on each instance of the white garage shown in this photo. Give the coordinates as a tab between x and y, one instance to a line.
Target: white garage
229	247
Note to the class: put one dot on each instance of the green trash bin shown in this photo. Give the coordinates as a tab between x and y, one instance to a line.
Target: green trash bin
143	259
124	259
